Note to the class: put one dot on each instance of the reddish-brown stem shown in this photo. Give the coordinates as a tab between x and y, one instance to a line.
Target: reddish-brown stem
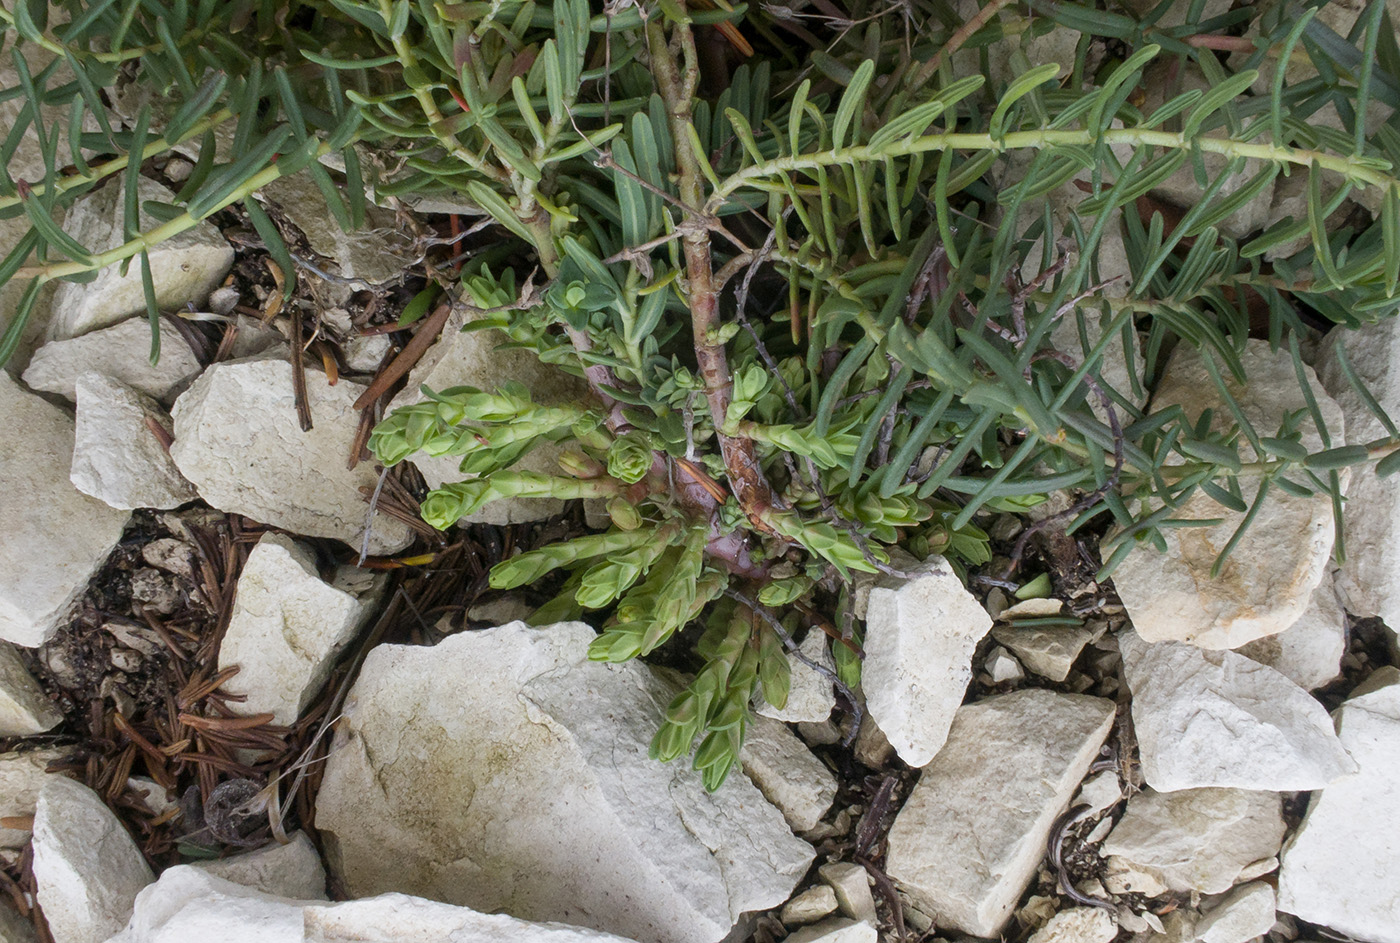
1221	43
746	478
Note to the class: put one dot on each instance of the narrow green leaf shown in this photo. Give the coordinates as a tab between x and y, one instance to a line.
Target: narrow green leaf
1021	87
852	104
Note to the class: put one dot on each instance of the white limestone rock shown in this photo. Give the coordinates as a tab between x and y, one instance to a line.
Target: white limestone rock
1077	925
116	457
377	252
56	536
1369	580
851	883
1200	840
1100	792
1268	580
474	358
87	869
919	638
292	870
1215	718
1049	651
24	710
22	777
1002	667
786	772
1309	652
528	789
121	352
287	629
184	268
189	904
810	696
835	930
1339	869
1242	915
238	440
809	906
973	831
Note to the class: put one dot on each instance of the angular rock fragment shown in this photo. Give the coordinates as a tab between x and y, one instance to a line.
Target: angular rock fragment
851	883
376	252
238	440
56	537
1049	651
919	639
286	630
118	457
292	870
1215	718
1268	579
184	268
973	831
188	904
1309	652
528	789
121	352
810	906
22	777
810	697
787	773
475	358
1340	866
24	710
1199	839
1369	579
1077	925
87	869
1242	915
835	930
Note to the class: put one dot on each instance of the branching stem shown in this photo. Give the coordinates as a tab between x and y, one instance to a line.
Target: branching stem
746	478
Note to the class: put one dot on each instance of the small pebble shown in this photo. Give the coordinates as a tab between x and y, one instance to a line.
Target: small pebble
810	906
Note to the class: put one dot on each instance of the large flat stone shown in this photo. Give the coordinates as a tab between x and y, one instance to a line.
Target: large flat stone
1339	869
919	638
1215	718
189	904
116	456
184	268
973	831
1309	652
286	630
87	869
528	790
121	352
1268	580
476	358
1369	579
237	439
56	537
1199	840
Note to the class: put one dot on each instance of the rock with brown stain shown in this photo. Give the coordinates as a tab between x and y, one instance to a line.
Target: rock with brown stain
1267	581
504	771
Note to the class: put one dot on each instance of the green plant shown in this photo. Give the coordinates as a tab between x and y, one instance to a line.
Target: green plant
813	296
